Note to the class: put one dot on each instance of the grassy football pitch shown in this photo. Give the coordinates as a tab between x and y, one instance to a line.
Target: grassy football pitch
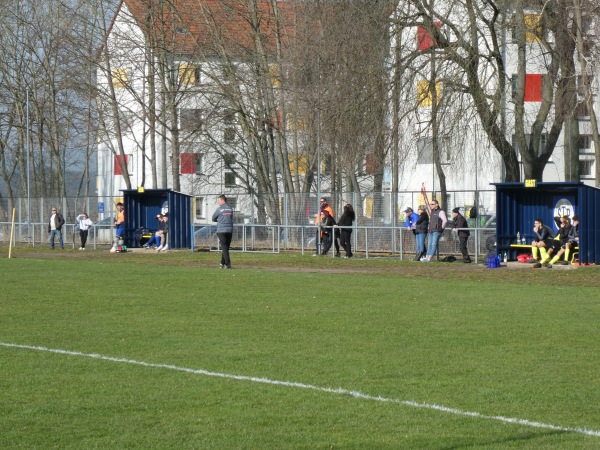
164	351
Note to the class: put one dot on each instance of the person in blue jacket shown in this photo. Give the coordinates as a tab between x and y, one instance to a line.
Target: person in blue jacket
411	222
224	218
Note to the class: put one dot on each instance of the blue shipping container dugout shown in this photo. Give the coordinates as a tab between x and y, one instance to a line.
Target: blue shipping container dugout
141	209
518	206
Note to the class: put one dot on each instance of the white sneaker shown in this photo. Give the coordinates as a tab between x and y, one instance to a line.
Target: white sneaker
165	248
80	248
158	249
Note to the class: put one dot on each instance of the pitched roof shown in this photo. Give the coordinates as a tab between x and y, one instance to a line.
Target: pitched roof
211	26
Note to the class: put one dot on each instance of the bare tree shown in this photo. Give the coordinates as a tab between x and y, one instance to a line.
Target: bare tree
584	52
470	38
41	77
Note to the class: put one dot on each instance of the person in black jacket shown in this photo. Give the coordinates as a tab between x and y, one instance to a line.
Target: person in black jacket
571	241
55	224
561	238
458	224
541	242
420	227
345	224
326	226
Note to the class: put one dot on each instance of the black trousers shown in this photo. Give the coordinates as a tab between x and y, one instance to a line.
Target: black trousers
462	245
83	234
335	242
327	241
345	241
225	242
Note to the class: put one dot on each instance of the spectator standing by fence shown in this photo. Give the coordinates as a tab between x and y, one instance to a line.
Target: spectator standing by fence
55	224
421	227
323	206
437	225
459	225
410	222
327	232
84	223
345	223
411	219
224	218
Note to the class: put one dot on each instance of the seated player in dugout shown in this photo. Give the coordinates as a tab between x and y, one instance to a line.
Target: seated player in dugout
561	238
572	242
541	242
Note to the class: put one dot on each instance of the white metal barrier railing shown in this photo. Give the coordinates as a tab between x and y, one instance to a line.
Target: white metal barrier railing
367	241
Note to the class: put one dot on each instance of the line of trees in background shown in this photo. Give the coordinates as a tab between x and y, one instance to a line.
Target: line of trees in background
321	81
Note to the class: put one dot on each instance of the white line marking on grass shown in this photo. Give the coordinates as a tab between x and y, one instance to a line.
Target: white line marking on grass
339	391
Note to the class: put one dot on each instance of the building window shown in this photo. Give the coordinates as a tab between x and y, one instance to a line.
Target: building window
191	163
582	111
372	164
424	40
119	78
425	95
581	87
275	77
189	74
229	134
298	163
533	87
425	150
543	140
296	122
121	165
229	117
585	143
230	179
534	28
200	214
229	160
190	120
232	201
587	166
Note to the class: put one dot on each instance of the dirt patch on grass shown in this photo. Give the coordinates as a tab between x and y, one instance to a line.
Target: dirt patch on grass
295	262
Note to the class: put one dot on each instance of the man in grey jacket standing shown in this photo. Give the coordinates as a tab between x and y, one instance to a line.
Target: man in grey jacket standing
224	218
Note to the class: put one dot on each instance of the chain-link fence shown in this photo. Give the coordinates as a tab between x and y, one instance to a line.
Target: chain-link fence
271	223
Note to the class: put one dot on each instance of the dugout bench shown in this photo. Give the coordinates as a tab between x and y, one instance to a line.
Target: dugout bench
524	248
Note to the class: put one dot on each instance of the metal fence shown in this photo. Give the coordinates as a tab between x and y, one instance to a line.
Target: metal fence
367	241
372	209
269	224
37	234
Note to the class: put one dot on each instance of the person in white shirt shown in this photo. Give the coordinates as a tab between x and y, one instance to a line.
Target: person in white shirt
84	223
